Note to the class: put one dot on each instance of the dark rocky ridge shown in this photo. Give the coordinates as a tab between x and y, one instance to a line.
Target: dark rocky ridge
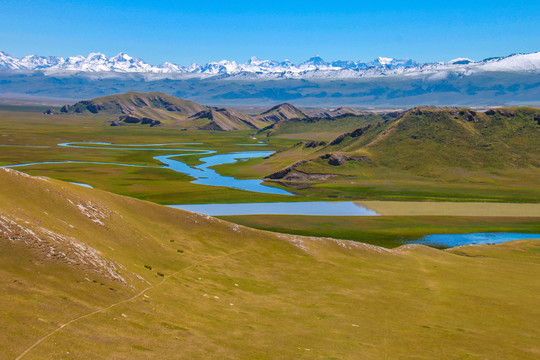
128	119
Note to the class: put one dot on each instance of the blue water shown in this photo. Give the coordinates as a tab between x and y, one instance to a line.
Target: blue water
202	174
82	184
205	176
76	162
452	240
315	208
143	147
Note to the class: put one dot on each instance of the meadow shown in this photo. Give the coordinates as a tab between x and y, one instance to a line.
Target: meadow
34	137
90	274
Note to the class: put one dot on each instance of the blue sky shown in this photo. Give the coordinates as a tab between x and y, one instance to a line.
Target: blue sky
203	31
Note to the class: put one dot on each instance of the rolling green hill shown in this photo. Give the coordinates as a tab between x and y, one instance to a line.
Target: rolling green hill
426	138
320	128
89	274
433	143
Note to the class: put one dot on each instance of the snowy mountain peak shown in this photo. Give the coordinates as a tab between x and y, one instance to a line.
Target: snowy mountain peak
122	57
315	67
96	55
315	60
460	61
384	60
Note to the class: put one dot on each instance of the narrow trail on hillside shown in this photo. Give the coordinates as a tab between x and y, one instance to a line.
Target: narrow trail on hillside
142	292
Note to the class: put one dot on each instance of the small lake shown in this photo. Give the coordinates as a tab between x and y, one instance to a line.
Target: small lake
314	208
452	240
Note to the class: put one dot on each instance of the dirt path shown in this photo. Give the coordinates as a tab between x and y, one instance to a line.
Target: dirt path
119	302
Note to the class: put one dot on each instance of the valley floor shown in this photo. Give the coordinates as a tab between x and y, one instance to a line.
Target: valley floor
108	273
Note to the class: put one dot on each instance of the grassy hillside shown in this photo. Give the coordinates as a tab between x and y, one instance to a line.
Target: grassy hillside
426	138
153	105
427	150
129	107
88	274
224	119
319	128
282	112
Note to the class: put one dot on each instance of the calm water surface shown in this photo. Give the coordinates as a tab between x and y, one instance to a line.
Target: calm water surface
205	176
202	173
452	240
314	208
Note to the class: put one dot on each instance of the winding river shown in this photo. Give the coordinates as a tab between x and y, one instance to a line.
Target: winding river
204	175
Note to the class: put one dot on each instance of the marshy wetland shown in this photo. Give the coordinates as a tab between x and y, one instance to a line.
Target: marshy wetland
111	274
193	168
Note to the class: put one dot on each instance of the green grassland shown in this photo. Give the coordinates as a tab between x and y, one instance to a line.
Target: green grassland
319	128
386	231
354	181
403	221
23	129
428	154
88	274
425	153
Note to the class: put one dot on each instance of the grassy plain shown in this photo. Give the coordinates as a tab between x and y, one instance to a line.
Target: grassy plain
427	208
356	181
387	231
22	131
160	185
196	287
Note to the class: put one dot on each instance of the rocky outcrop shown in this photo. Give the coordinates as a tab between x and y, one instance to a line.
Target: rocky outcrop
300	176
314	144
356	133
291	173
284	172
128	119
223	119
340	159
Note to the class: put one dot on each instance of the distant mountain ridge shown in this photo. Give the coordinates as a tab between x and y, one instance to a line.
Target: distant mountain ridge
315	67
154	108
153	105
282	112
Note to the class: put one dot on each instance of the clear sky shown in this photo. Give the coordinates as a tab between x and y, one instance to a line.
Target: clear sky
201	31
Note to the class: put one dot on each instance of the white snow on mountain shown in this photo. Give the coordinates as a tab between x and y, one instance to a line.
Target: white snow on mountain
519	62
8	62
314	67
460	61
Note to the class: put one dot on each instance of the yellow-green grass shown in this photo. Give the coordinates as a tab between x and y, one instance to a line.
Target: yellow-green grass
452	153
354	181
239	293
427	208
387	231
158	185
155	184
320	129
365	181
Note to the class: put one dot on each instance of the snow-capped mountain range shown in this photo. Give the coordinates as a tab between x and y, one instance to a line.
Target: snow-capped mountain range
313	68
